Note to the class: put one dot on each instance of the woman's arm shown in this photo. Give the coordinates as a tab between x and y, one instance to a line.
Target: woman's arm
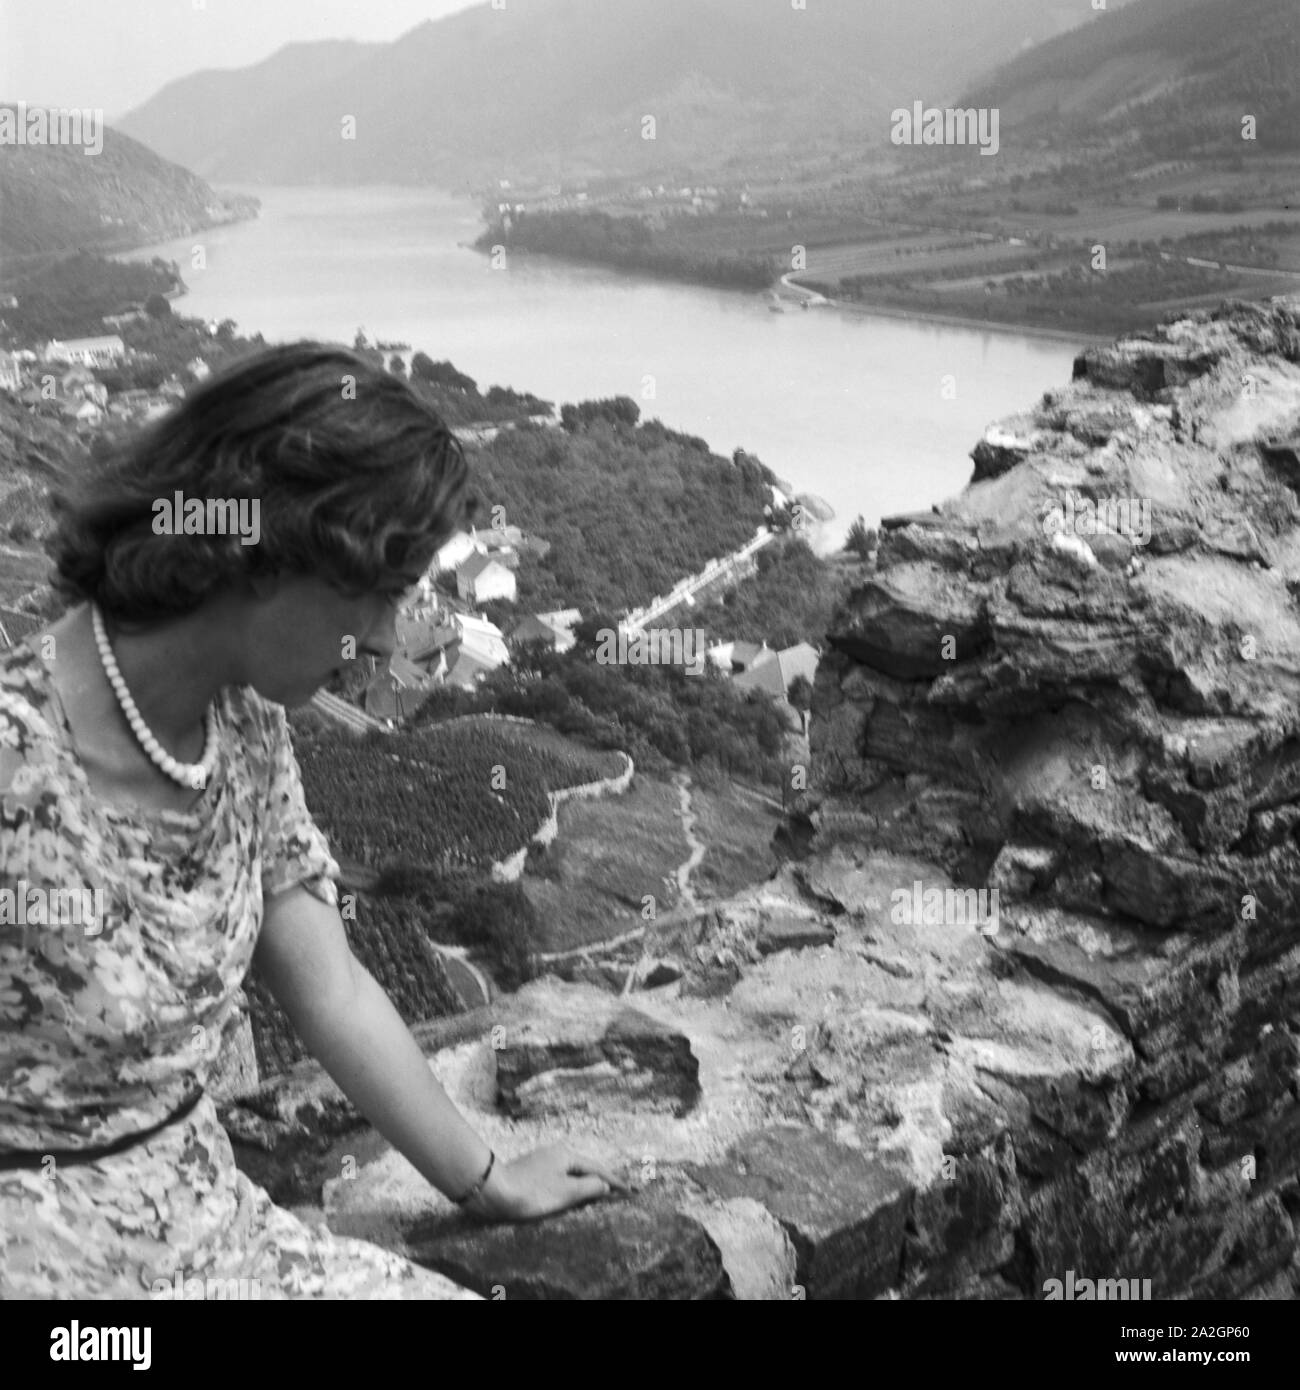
351	1027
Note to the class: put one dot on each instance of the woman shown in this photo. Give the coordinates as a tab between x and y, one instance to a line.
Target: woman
145	758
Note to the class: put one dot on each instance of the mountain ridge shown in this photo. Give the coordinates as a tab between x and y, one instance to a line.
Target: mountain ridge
560	86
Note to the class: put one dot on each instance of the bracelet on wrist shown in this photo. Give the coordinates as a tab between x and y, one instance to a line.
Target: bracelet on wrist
481	1184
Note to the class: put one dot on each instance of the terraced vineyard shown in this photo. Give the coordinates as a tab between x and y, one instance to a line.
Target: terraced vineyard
449	798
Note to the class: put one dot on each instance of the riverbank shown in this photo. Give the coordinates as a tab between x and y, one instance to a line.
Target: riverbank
817	299
893	311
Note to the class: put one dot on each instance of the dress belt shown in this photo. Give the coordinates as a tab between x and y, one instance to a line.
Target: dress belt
35	1158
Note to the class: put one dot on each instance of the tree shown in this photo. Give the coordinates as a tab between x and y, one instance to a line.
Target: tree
424	368
397	366
800	693
860	540
158	306
618	410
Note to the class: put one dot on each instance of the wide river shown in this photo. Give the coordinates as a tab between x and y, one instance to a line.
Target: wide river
876	415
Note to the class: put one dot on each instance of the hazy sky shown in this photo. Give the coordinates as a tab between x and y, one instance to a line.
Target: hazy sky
114	54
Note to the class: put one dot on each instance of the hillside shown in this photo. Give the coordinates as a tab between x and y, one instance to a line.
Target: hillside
1171	76
57	198
558	88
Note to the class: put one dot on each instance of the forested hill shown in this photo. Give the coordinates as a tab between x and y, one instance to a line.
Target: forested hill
1173	75
627	509
56	198
560	88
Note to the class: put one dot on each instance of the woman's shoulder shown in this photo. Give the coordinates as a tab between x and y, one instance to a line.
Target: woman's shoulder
26	718
261	725
29	740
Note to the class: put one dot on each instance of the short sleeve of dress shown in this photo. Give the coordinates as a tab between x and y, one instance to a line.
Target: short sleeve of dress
28	802
294	849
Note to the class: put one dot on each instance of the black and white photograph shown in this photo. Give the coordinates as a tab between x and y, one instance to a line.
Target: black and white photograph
650	651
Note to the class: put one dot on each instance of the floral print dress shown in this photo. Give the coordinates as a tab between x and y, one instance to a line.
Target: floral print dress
110	1023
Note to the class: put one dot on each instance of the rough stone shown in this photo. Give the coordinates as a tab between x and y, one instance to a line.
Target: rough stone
613	1250
592	1051
788	932
844	1213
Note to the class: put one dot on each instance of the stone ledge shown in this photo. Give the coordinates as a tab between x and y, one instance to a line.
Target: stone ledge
609	1251
844	1213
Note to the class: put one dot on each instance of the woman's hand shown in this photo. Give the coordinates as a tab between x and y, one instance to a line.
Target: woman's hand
546	1181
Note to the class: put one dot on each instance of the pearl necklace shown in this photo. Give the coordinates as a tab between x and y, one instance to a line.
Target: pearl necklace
193	775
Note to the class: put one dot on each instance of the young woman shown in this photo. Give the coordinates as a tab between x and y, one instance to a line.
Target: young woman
145	756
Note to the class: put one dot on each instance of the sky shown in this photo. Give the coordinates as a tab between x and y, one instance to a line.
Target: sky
111	55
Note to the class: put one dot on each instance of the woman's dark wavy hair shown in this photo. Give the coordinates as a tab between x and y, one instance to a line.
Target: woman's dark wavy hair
356	487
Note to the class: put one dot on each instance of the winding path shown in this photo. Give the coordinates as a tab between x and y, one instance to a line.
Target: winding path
687	903
686	894
687	906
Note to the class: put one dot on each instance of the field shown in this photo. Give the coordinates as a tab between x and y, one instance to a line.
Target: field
736	825
447	799
936	255
611	852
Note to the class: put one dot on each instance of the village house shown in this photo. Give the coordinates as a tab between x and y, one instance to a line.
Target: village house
470	645
481	639
734	658
133	313
535	628
465	668
772	672
480	579
397	693
79	383
81	412
89	352
455	552
416	634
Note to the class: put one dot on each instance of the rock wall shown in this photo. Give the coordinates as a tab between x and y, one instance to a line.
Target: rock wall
1026	1013
1102	725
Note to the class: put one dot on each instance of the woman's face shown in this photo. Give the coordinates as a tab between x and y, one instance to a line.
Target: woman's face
304	632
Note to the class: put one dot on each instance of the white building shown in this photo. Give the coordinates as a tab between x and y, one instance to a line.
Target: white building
88	352
482	639
481	579
456	551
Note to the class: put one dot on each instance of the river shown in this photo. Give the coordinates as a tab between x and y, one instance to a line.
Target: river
877	415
